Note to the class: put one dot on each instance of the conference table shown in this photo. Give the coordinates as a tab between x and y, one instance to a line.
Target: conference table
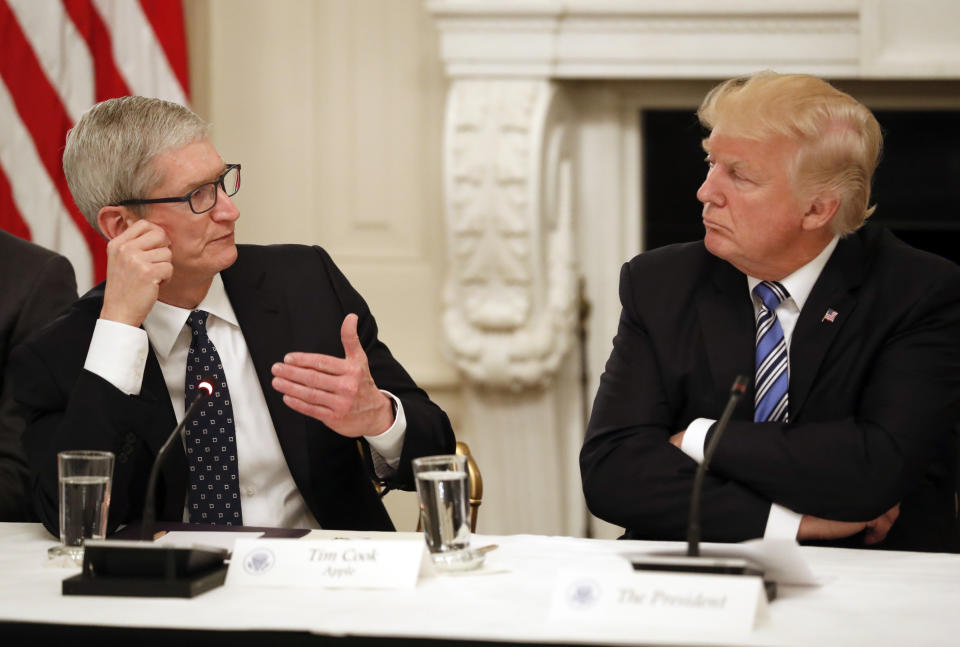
864	598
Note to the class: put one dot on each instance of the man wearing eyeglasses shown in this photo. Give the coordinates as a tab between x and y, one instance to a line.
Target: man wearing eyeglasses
291	348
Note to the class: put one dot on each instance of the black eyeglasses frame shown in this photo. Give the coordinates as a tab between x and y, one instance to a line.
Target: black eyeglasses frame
219	182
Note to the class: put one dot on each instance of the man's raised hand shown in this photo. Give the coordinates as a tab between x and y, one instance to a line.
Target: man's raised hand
340	393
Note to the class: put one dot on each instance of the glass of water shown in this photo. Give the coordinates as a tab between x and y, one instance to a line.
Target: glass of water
85	478
442	489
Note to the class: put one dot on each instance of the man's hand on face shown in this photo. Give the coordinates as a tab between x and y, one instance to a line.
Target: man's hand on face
816	528
138	261
340	393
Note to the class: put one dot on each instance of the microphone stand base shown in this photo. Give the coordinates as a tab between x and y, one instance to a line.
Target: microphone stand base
682	563
142	569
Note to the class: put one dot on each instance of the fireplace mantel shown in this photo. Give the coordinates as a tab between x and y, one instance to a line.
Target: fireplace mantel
542	201
675	39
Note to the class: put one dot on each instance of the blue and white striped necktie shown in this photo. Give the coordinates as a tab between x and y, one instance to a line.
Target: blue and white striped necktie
773	368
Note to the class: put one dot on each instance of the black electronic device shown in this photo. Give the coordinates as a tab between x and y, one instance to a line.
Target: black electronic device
141	569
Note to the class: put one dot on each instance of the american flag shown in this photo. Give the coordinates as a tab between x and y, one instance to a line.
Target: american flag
58	58
830	315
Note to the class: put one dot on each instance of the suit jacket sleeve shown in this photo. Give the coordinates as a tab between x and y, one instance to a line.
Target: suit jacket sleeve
632	476
428	428
69	408
41	291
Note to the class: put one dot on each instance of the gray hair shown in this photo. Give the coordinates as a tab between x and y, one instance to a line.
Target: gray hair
108	153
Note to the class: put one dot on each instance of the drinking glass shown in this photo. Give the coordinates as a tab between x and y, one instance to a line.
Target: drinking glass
442	490
85	478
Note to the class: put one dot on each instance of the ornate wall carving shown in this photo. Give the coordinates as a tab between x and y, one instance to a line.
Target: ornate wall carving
510	297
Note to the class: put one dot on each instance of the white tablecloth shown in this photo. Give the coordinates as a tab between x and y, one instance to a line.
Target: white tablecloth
868	598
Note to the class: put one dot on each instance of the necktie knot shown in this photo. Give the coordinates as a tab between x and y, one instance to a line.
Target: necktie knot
771	293
198	321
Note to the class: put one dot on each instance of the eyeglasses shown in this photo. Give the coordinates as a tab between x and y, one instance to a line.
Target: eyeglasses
204	197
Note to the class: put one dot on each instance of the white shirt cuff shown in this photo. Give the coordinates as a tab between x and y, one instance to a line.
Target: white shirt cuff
782	523
118	354
388	446
695	438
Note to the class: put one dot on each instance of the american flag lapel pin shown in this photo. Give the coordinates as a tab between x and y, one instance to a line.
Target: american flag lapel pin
829	316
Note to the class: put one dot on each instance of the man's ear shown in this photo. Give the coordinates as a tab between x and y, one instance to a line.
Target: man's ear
821	210
114	220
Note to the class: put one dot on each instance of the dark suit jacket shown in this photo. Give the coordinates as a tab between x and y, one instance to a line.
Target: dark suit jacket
35	286
286	298
873	397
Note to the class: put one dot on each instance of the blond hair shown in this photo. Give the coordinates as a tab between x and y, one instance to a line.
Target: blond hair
108	153
840	139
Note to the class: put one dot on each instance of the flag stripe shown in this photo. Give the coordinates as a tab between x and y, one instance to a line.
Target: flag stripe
45	119
37	199
167	20
108	82
60	50
137	51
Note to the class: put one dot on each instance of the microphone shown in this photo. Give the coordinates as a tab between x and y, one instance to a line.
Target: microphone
204	391
142	568
691	561
738	388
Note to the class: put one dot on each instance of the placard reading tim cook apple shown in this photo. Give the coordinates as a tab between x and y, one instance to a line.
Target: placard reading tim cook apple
338	563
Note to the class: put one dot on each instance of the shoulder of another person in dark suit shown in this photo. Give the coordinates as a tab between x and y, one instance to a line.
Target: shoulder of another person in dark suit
25	266
37	285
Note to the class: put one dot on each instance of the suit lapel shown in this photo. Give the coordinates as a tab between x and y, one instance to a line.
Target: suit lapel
268	333
726	322
835	289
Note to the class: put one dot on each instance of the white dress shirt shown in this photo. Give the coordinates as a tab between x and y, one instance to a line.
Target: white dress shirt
781	522
268	493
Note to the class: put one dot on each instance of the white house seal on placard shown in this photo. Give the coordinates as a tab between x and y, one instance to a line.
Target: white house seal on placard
583	594
259	561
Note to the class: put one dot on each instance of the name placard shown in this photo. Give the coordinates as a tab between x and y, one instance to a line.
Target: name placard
705	603
337	563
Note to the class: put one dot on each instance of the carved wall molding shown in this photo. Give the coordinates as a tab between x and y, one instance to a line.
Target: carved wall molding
510	297
740	25
712	39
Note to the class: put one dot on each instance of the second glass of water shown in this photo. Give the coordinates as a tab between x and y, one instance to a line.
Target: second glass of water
85	478
442	489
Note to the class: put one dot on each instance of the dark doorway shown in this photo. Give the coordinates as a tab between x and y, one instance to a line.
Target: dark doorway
914	185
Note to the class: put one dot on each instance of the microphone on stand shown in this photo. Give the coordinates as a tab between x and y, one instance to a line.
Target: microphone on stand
738	388
204	391
692	561
141	568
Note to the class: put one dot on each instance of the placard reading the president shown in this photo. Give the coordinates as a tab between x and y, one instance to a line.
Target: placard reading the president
725	603
337	563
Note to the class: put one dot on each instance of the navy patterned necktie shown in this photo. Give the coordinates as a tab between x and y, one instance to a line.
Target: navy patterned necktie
773	369
211	440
